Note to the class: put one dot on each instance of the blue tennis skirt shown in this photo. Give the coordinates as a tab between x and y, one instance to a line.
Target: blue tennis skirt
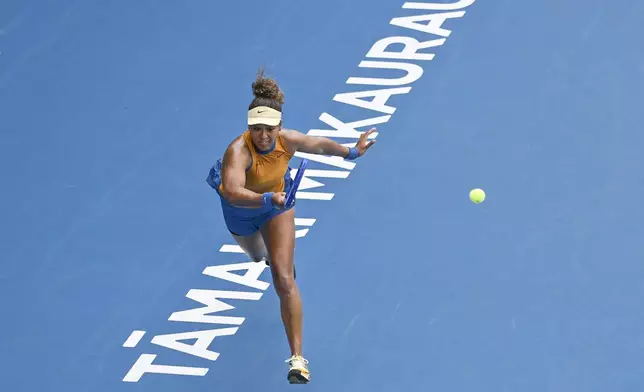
244	221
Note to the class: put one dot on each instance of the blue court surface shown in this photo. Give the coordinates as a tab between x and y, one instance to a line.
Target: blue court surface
118	273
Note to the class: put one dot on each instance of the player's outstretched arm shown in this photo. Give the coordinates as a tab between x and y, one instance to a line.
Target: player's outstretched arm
298	141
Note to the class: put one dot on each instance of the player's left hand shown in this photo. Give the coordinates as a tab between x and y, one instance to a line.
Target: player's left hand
363	145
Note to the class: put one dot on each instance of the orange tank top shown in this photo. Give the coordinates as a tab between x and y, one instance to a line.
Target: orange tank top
267	168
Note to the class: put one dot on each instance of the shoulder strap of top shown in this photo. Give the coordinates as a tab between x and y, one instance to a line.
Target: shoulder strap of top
249	144
283	144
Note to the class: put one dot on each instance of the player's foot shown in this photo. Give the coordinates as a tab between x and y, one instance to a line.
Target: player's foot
299	370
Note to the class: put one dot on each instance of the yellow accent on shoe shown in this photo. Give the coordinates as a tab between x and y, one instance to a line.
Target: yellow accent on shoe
299	371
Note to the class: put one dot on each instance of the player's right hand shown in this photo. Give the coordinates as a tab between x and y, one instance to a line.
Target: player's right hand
279	199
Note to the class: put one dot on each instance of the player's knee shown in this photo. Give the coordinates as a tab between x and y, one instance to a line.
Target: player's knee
257	257
284	282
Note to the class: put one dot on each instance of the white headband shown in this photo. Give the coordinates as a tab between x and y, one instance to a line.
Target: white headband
264	115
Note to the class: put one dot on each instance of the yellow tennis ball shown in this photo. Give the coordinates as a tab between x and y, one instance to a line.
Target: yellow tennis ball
477	195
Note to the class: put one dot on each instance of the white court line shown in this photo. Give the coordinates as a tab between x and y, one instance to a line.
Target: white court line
134	339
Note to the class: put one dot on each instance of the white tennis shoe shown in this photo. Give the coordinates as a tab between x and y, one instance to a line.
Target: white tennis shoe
299	370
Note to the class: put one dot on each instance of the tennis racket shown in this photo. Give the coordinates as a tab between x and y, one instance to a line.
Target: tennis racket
290	196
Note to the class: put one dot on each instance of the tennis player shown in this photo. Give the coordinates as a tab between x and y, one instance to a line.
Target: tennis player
253	180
